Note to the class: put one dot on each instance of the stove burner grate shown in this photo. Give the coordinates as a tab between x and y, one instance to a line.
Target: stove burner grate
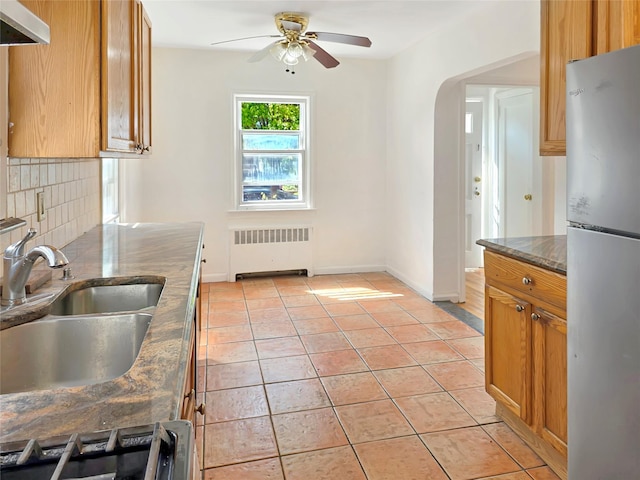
144	453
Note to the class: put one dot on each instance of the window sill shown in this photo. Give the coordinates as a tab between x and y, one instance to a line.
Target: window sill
273	209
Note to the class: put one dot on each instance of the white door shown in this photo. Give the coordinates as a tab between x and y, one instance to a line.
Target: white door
520	190
473	183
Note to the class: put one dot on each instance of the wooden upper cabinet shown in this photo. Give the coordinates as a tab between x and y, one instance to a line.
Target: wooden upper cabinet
126	97
572	30
617	25
144	135
119	102
81	95
566	34
54	90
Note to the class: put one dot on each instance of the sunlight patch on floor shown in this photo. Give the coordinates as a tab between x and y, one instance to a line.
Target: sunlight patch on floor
356	293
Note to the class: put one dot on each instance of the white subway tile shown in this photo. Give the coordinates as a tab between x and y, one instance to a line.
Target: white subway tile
20	204
30	201
25	177
43	175
35	176
14	178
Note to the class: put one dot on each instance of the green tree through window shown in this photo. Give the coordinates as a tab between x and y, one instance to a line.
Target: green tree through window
270	116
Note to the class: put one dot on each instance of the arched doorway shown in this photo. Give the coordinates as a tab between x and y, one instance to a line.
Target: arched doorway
450	156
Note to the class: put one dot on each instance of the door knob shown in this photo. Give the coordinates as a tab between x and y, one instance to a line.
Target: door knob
519	308
477	179
476	193
528	197
535	317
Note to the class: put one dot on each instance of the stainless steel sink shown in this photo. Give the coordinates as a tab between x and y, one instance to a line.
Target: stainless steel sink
107	298
69	351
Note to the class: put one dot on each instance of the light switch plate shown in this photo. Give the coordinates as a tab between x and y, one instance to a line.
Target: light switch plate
41	211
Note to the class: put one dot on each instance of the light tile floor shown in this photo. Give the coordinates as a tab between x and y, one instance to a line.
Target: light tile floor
346	377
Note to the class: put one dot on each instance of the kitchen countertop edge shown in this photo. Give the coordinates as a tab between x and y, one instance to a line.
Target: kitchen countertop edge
151	391
548	252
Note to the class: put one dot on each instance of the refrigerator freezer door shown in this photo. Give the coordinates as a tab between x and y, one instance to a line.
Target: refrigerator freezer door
603	308
603	141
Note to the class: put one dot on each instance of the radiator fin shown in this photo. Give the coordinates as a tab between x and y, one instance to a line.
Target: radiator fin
271	235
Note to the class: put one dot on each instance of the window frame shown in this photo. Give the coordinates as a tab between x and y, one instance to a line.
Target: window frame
110	189
304	200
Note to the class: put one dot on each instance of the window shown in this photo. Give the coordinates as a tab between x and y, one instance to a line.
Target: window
272	157
110	193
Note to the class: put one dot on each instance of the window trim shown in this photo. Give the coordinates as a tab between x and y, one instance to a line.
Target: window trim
114	217
305	202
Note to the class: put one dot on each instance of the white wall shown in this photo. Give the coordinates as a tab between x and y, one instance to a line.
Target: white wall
387	186
424	147
189	175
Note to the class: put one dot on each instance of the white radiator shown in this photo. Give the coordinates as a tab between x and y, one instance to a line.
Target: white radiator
259	250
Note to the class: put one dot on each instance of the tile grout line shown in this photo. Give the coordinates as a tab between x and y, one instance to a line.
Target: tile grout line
368	370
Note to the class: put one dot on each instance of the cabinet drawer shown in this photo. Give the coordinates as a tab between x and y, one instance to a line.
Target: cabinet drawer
533	282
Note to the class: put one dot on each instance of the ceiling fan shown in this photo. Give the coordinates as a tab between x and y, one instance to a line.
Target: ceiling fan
295	43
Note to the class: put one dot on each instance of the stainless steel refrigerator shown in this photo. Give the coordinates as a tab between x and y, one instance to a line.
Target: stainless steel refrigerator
603	266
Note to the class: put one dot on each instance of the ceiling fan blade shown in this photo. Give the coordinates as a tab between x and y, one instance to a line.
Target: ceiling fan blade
260	54
339	38
246	38
324	57
289	25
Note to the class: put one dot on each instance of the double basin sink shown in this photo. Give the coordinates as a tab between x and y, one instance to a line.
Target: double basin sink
89	334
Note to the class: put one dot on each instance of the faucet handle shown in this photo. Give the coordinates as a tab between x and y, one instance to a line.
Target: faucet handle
17	249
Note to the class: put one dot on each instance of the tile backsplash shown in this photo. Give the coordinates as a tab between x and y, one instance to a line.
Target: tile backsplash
71	189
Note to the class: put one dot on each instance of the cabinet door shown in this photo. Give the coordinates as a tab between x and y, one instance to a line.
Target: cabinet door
54	90
187	410
119	76
144	68
566	34
508	351
617	25
550	380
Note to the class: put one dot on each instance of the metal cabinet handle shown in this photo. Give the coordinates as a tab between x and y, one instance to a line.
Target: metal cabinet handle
527	280
201	409
535	317
191	394
519	308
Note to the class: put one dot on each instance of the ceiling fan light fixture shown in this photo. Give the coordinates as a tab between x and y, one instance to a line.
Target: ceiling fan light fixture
307	51
289	60
278	51
295	42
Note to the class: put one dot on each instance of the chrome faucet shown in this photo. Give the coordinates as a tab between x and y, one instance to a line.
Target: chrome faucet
17	267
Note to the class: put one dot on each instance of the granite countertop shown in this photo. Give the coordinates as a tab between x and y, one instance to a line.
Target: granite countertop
548	252
151	390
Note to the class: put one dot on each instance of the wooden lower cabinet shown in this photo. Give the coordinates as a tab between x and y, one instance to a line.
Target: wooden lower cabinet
526	353
508	369
188	410
550	372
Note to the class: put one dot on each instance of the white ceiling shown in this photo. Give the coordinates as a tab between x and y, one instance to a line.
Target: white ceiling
391	25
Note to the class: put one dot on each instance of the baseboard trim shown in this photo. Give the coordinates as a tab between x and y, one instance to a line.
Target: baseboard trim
214	277
410	283
355	269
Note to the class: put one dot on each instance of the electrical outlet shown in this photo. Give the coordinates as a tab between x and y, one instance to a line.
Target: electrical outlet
42	212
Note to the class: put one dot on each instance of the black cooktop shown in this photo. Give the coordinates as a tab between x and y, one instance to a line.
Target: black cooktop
151	452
